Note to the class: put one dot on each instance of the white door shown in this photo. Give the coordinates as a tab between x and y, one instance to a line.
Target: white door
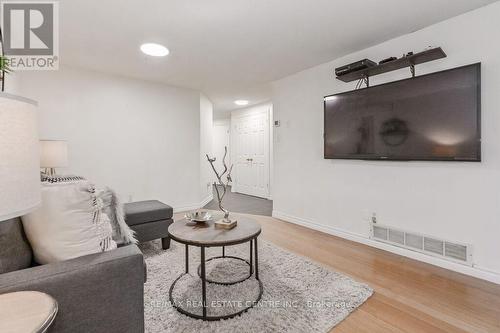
250	142
220	140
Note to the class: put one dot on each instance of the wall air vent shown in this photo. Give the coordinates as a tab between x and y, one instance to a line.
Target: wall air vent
433	245
457	252
415	242
380	232
397	237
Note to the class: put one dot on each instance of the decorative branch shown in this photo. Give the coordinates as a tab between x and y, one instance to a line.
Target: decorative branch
220	196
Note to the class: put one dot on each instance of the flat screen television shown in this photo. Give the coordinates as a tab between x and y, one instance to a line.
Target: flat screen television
430	117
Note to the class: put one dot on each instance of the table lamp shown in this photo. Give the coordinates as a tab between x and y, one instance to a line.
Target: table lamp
19	157
53	154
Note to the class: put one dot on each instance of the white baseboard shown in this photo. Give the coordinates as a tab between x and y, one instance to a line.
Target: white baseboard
206	200
194	206
474	271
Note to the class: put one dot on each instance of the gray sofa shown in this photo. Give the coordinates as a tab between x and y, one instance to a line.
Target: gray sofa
101	292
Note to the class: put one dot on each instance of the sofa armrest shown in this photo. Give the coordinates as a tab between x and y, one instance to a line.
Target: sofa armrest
101	292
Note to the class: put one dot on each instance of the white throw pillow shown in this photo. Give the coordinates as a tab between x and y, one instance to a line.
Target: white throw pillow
70	223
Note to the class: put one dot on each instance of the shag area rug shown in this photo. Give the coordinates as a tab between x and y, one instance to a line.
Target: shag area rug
299	295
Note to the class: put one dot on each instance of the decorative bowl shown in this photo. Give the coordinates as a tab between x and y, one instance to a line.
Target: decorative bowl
199	216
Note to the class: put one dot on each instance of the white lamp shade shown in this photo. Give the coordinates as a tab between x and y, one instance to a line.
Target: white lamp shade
53	154
19	157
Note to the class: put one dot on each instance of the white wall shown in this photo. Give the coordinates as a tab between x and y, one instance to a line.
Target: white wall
12	83
140	138
451	200
206	135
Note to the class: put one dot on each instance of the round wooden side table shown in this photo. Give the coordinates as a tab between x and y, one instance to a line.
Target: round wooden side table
26	311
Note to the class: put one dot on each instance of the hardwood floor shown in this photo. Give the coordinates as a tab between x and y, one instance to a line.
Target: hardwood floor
410	296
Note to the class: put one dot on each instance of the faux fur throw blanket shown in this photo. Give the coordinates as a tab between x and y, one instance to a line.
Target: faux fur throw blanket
113	207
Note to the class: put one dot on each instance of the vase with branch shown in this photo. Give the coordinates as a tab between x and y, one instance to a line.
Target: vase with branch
223	184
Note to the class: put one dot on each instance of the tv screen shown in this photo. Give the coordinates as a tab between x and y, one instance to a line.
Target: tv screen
428	117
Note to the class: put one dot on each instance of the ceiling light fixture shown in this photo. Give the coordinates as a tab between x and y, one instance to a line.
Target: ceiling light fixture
241	102
154	50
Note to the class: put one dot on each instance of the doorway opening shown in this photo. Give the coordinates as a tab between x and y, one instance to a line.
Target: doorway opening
248	134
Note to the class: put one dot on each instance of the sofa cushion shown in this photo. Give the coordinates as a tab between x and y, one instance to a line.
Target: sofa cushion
15	251
146	211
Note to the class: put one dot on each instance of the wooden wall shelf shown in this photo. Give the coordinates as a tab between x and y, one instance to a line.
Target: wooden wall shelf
409	61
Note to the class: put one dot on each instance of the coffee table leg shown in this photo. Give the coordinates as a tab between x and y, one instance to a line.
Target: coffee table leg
223	251
203	283
256	260
187	259
251	257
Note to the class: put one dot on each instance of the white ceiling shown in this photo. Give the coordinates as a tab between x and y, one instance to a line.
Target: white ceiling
232	49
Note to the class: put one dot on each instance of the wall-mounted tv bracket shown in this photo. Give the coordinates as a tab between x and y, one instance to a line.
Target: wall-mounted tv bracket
366	80
412	70
407	61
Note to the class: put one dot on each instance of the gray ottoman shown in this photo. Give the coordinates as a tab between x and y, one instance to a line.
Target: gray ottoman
150	220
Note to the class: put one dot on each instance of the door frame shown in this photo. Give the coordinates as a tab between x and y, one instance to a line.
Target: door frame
248	111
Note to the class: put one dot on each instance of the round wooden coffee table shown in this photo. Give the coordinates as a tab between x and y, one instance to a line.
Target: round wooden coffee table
204	235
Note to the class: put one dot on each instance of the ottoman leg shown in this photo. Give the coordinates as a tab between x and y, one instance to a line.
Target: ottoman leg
165	243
